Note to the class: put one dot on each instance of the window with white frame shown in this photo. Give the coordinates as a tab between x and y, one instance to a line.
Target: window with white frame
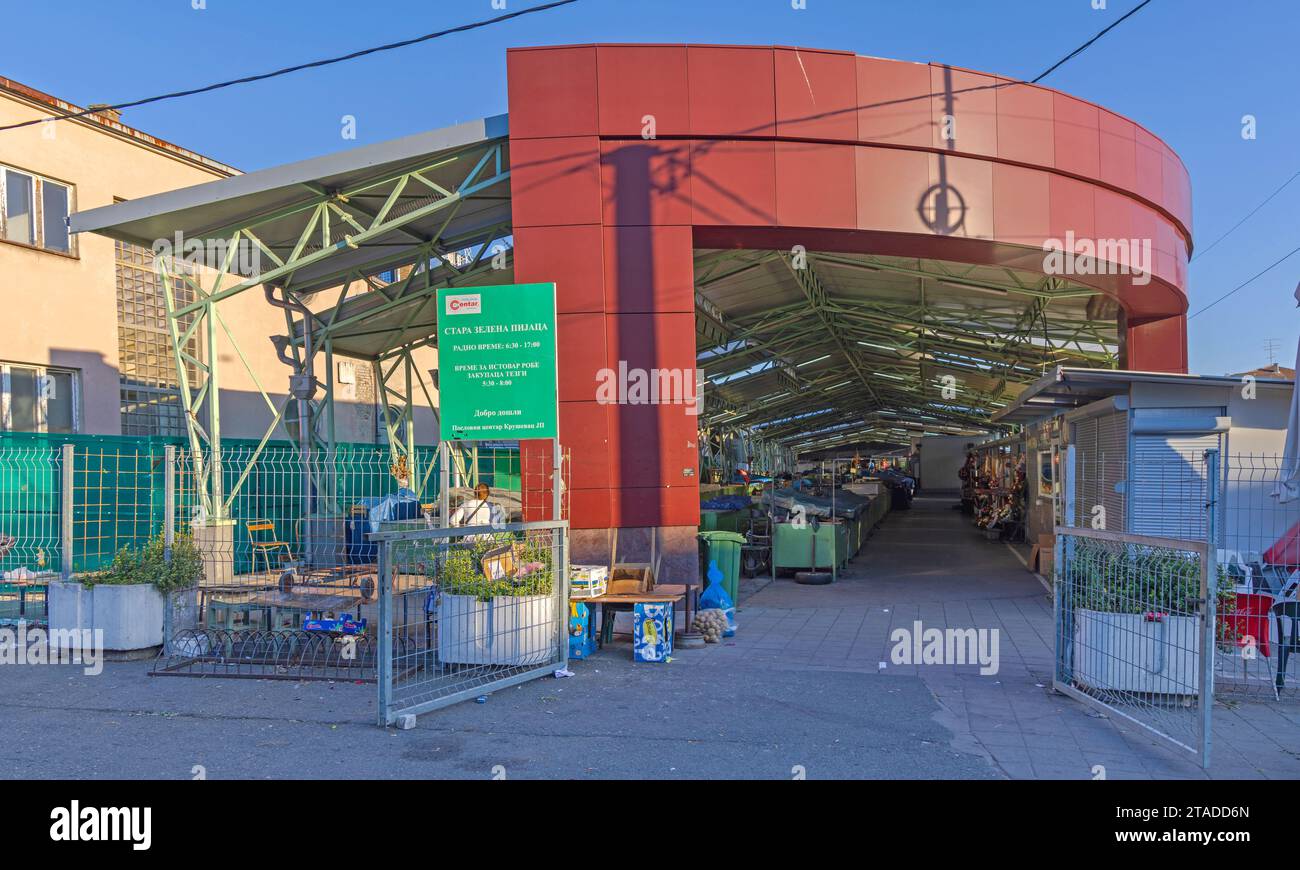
39	399
34	210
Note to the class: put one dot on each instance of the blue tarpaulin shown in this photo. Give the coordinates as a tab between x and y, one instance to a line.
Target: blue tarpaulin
401	505
727	503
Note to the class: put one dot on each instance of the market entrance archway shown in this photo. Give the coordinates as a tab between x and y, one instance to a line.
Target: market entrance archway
627	160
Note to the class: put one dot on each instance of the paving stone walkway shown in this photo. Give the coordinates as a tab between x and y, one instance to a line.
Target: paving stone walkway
800	691
930	564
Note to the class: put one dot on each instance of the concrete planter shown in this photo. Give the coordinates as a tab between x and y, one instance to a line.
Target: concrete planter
513	631
69	606
184	606
130	617
1127	652
215	540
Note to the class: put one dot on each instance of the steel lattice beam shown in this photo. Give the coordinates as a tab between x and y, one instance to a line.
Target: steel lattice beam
903	356
325	224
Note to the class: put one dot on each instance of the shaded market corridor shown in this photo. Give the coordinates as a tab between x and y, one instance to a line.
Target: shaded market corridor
926	564
930	553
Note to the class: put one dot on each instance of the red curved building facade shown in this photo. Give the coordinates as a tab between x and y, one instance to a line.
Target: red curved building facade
772	147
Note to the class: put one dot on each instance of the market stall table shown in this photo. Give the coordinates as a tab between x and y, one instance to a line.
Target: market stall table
272	604
21	588
297	604
612	603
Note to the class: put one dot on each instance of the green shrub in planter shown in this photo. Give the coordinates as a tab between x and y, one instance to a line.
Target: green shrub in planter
130	601
149	565
1139	580
460	572
1135	620
510	621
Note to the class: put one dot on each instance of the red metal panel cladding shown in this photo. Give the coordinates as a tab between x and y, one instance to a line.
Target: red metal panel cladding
643	90
774	147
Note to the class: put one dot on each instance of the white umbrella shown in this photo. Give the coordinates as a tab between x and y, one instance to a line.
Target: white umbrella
1288	485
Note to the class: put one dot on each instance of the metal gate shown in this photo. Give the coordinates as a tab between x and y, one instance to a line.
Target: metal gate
1136	614
1134	631
464	612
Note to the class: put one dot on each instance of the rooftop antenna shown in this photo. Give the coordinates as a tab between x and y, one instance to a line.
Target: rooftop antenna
1270	348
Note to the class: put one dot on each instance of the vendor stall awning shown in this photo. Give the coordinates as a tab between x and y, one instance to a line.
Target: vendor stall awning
1065	388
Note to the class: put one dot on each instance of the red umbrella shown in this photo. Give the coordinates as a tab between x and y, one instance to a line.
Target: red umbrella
1286	550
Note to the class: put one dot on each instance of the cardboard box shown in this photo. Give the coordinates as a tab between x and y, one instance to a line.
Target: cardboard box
588	581
1046	554
1045	564
652	632
581	641
631	578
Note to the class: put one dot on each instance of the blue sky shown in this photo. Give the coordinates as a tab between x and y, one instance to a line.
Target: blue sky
1187	69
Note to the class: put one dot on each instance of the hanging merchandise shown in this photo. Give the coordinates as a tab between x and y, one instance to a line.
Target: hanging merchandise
998	489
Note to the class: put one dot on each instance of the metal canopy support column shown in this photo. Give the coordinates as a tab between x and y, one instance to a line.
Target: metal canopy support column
202	448
298	239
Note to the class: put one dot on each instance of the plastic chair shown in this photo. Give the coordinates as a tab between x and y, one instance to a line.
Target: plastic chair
1290	611
1249	619
265	546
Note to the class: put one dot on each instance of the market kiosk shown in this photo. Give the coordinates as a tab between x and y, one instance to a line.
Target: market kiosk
996	480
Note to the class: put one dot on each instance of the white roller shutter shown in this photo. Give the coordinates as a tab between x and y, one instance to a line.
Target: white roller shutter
1168	485
1112	447
1100	465
1083	436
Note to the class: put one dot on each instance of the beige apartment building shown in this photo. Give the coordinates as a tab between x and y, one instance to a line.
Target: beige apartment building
84	345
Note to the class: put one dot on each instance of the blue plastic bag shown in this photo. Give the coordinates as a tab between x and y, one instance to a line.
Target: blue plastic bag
715	597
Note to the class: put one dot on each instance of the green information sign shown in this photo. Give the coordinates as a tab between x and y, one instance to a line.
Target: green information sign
496	363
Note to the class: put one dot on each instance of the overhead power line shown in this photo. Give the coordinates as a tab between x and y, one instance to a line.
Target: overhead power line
1081	49
1253	212
475	25
1246	283
1235	226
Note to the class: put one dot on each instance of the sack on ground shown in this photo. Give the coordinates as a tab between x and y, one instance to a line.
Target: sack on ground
715	597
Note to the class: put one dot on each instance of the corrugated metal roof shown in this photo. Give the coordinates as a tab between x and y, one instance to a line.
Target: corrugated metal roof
414	319
1068	387
775	361
211	211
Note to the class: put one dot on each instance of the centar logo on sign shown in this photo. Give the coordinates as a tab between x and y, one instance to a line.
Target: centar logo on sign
464	303
496	363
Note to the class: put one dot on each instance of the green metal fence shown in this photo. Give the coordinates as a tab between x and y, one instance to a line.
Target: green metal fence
268	486
31	478
118	490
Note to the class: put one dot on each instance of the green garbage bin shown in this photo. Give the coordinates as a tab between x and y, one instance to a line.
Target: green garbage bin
723	549
720	521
